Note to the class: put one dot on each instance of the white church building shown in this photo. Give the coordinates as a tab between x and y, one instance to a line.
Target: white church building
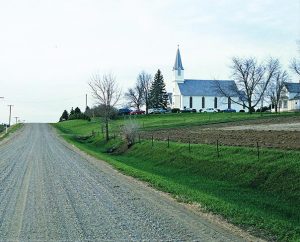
201	94
289	98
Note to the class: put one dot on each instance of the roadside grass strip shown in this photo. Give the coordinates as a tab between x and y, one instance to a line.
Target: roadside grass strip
261	196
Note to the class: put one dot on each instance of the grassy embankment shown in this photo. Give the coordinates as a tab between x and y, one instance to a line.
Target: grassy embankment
10	130
262	196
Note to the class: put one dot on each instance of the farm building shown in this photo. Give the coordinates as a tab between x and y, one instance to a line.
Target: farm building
201	94
290	97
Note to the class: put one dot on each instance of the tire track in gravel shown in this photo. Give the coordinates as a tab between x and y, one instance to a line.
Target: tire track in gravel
50	191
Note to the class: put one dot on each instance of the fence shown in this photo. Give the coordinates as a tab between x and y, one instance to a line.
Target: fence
228	140
188	141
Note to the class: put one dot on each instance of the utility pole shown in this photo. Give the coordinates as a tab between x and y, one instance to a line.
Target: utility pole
16	119
9	114
85	101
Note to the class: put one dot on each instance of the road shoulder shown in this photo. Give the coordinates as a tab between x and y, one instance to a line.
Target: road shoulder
213	220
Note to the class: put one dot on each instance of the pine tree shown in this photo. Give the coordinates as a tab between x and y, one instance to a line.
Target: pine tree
77	110
64	116
158	94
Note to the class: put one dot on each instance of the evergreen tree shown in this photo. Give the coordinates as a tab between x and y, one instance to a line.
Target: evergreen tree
72	111
77	110
87	109
64	116
158	94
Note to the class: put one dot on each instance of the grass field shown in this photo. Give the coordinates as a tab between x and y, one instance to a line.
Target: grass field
262	196
11	130
168	121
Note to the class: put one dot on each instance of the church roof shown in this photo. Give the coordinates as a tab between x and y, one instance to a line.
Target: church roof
192	87
293	87
178	62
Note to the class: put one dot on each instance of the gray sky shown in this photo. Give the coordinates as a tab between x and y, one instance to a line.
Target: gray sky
50	48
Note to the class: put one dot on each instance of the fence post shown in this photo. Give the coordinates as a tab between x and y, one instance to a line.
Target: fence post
257	147
218	152
168	141
152	140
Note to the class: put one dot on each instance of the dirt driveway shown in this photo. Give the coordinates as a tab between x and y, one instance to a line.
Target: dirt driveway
283	133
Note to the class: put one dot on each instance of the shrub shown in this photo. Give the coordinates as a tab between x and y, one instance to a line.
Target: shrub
79	116
175	110
129	132
264	109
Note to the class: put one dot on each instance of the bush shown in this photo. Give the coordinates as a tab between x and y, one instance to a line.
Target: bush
98	111
175	110
129	132
264	109
79	116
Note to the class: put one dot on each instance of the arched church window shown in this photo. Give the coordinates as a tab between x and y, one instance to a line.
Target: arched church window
203	102
216	102
191	102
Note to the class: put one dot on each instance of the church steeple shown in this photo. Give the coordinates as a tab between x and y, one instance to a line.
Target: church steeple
178	68
178	62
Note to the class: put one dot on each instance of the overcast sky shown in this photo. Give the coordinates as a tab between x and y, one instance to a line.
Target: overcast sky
50	48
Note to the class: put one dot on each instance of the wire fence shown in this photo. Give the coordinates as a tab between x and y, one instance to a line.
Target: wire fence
189	143
256	144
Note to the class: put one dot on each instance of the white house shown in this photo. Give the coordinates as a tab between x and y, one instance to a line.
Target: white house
290	97
200	94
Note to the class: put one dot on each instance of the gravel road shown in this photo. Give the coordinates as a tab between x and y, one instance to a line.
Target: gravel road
49	191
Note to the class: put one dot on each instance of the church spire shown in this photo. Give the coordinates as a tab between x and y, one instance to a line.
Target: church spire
178	63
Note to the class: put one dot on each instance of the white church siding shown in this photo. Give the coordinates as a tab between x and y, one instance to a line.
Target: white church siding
187	90
290	98
222	103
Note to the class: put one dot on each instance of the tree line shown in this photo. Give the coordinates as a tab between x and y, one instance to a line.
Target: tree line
148	92
257	81
74	114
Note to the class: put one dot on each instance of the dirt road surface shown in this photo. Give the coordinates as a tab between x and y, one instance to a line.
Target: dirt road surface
48	191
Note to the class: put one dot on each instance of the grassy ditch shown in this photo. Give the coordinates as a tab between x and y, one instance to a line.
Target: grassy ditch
10	130
262	196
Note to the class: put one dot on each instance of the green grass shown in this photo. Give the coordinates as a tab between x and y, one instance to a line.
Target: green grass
262	196
167	121
11	130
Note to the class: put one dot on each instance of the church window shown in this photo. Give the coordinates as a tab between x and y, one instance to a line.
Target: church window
203	102
179	72
229	102
216	102
191	102
285	104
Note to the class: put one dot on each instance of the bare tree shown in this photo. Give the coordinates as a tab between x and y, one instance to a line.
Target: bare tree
130	131
107	94
251	78
145	80
276	86
135	95
295	66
